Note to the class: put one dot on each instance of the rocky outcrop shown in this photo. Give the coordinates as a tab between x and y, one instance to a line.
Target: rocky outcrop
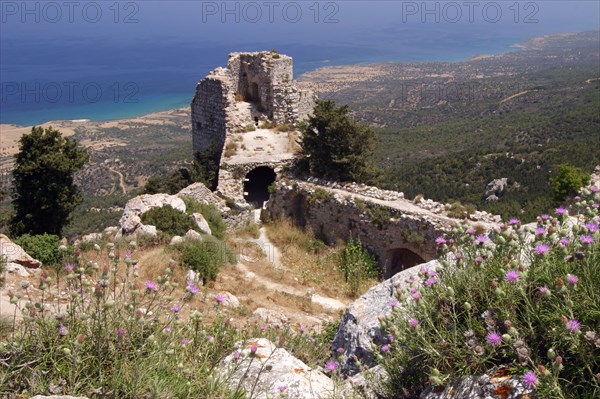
265	371
497	384
495	189
17	260
202	194
131	219
360	329
201	223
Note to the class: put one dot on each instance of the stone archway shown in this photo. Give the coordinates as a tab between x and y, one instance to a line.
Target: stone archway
398	259
256	185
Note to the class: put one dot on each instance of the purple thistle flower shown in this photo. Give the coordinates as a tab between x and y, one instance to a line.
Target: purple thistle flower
494	338
219	299
479	260
236	354
586	239
191	287
513	222
594	189
281	388
253	349
391	338
572	279
480	239
185	341
416	295
413	323
440	241
592	227
62	330
121	332
331	365
560	211
176	309
69	267
540	231
340	351
151	286
471	231
512	276
573	325
530	379
543	289
392	303
430	281
385	348
542	249
564	242
167	329
545	216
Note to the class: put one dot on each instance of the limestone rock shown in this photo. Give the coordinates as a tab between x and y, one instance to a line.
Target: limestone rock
147	229
201	193
18	269
359	327
176	240
202	223
367	385
229	300
130	221
13	253
193	235
482	387
299	381
273	317
495	188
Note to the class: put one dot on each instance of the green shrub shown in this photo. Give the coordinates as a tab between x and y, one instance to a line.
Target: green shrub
2	269
460	211
211	213
43	247
357	265
205	257
169	220
532	305
567	181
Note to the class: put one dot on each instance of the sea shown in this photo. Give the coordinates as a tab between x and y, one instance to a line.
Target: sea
105	60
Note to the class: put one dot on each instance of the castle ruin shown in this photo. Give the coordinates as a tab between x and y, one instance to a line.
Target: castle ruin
234	113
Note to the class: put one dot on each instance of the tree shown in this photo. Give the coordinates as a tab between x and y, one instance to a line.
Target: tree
336	146
44	192
567	181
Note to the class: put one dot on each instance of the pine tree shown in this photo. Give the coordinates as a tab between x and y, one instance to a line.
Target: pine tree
44	192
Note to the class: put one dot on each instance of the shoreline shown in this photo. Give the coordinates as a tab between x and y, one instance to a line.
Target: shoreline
526	44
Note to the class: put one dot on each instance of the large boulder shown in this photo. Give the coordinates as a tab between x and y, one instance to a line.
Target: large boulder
131	220
360	328
202	194
272	372
17	260
201	223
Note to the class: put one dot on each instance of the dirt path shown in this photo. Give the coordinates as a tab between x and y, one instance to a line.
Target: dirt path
514	96
121	180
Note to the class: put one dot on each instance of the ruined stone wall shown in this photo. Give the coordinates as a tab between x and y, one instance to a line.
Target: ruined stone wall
209	112
333	216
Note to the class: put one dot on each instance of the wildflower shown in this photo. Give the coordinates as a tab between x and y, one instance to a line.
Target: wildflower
219	299
481	239
413	323
545	216
586	239
573	325
281	388
564	242
176	309
542	249
167	329
572	279
151	286
430	281
471	231
440	241
62	330
513	222
253	349
479	260
339	350
236	355
539	231
331	366
458	256
121	332
210	338
392	303
592	227
416	295
391	338
512	276
184	341
560	211
494	338
302	329
69	267
544	290
530	379
385	348
191	287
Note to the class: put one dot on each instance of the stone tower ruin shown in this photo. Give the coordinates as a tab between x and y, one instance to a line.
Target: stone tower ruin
254	86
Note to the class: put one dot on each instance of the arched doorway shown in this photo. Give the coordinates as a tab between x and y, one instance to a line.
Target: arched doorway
254	93
256	185
399	259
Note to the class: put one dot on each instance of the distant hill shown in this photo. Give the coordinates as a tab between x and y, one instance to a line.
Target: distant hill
448	129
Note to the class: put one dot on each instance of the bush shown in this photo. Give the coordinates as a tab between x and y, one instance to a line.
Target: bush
530	304
210	213
169	220
567	181
43	247
357	265
205	257
2	268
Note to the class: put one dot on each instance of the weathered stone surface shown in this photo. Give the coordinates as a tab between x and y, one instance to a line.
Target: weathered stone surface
269	316
495	189
176	240
228	299
193	235
131	221
202	194
497	384
359	327
147	229
366	385
201	223
296	379
13	253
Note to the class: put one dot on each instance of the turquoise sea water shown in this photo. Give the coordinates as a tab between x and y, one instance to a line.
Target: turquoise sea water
140	57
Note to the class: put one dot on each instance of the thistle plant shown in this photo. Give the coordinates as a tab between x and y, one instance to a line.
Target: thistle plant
527	298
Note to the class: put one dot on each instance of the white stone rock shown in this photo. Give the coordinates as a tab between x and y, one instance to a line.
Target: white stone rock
229	300
136	206
17	269
193	235
13	253
284	370
147	229
176	240
269	316
201	223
